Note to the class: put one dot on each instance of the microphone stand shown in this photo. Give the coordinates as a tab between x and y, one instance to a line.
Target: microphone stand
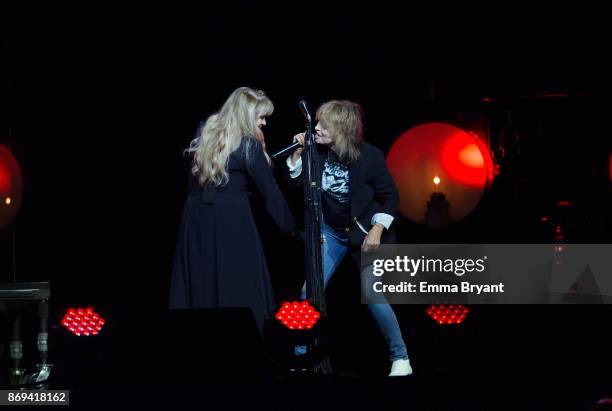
315	289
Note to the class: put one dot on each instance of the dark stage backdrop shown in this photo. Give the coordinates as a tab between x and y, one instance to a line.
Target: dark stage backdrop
102	100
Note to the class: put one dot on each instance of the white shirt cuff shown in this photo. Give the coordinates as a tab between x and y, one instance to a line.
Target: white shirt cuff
296	170
382	218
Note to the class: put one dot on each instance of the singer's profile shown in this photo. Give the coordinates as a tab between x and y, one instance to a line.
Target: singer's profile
219	259
359	201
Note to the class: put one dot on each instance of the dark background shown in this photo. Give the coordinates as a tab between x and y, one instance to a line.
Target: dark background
101	99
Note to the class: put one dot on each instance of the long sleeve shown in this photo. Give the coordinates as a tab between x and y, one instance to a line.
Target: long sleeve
382	218
296	169
292	174
275	203
384	188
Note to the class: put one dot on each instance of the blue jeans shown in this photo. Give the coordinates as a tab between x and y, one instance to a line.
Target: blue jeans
334	249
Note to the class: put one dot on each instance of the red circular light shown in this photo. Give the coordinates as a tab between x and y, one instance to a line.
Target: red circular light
11	186
459	159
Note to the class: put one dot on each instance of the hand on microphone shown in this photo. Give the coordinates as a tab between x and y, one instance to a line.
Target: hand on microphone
298	152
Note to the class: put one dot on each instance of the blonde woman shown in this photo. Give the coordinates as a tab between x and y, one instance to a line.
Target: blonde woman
219	260
359	200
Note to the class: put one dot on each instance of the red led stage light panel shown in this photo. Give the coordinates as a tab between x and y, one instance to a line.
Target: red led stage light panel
83	321
298	315
448	314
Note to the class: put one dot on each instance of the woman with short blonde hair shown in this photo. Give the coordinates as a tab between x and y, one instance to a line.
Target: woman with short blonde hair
344	119
359	200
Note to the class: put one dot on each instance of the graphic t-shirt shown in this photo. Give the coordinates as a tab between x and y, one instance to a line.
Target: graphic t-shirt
335	188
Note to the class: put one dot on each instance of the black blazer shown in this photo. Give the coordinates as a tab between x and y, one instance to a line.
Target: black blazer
371	191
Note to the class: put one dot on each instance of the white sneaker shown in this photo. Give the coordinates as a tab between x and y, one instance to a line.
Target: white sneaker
400	368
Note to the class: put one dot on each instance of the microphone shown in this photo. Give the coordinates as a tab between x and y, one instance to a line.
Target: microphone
286	150
289	149
304	108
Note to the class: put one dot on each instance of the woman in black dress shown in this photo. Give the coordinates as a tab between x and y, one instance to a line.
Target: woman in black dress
219	260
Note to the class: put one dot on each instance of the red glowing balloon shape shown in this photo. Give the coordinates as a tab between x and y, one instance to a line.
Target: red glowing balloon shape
10	186
439	157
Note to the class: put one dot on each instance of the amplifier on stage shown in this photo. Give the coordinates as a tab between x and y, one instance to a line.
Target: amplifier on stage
14	298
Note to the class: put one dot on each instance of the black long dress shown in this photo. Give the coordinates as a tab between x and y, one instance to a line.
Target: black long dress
219	260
